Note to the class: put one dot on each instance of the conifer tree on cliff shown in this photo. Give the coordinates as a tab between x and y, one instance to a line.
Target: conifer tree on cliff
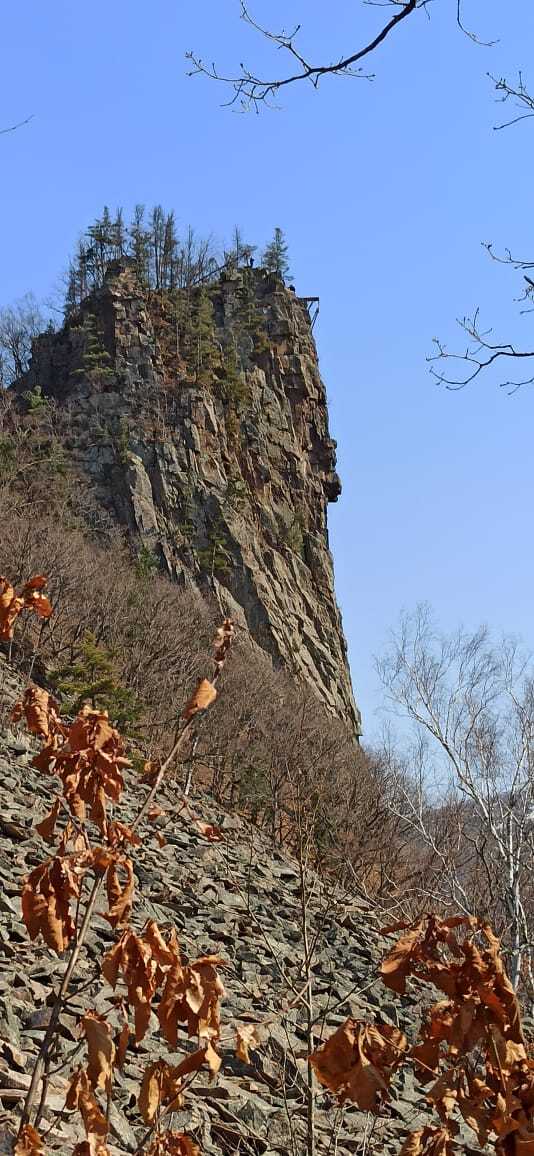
275	257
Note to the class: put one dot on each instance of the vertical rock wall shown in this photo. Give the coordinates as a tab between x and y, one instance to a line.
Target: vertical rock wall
201	419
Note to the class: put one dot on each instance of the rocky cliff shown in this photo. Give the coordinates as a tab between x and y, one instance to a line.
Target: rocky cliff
200	418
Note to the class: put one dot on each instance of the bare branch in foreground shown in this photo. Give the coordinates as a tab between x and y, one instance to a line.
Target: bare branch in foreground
14	127
480	354
466	31
251	90
518	94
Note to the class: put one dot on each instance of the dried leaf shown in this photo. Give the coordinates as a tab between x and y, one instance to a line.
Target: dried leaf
201	699
357	1061
121	1046
247	1041
192	996
47	825
47	895
100	1050
29	1142
136	957
223	640
80	1096
213	1059
120	895
428	1141
155	812
397	965
214	834
161	1088
93	1147
173	1144
12	604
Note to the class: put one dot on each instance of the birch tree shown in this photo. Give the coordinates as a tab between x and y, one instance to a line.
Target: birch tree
464	773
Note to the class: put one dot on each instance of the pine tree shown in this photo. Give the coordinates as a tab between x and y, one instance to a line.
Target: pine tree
96	363
93	677
119	234
203	347
140	245
170	248
158	241
275	257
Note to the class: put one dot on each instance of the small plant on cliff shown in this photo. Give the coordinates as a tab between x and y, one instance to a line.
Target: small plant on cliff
95	362
215	557
292	535
251	317
235	384
471	1047
198	338
146	563
34	399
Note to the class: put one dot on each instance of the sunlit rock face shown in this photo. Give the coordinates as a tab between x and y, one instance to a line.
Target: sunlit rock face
201	419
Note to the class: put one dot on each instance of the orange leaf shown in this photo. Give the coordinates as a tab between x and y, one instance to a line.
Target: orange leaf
79	1095
120	896
46	897
47	825
121	1046
247	1041
201	699
29	1142
100	1050
161	1087
357	1061
173	1144
214	834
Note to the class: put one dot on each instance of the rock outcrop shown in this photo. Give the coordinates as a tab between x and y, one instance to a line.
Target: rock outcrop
200	418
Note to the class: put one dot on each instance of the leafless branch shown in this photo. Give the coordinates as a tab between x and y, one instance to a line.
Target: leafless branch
480	354
471	35
519	96
14	127
252	91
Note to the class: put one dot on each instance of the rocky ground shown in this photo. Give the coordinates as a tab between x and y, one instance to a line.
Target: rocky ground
238	898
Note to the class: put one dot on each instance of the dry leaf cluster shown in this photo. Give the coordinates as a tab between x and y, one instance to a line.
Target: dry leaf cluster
471	1048
31	597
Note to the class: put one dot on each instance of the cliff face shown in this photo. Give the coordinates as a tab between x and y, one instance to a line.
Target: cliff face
201	419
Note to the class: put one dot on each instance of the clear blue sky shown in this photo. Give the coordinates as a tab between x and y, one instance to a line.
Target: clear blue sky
385	191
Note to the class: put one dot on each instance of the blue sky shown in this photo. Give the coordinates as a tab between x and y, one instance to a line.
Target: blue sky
385	191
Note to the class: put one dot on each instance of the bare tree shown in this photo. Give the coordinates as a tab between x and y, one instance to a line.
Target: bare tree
19	324
252	91
471	709
483	351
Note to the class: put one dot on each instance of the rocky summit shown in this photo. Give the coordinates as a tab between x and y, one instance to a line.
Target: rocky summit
238	898
200	420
